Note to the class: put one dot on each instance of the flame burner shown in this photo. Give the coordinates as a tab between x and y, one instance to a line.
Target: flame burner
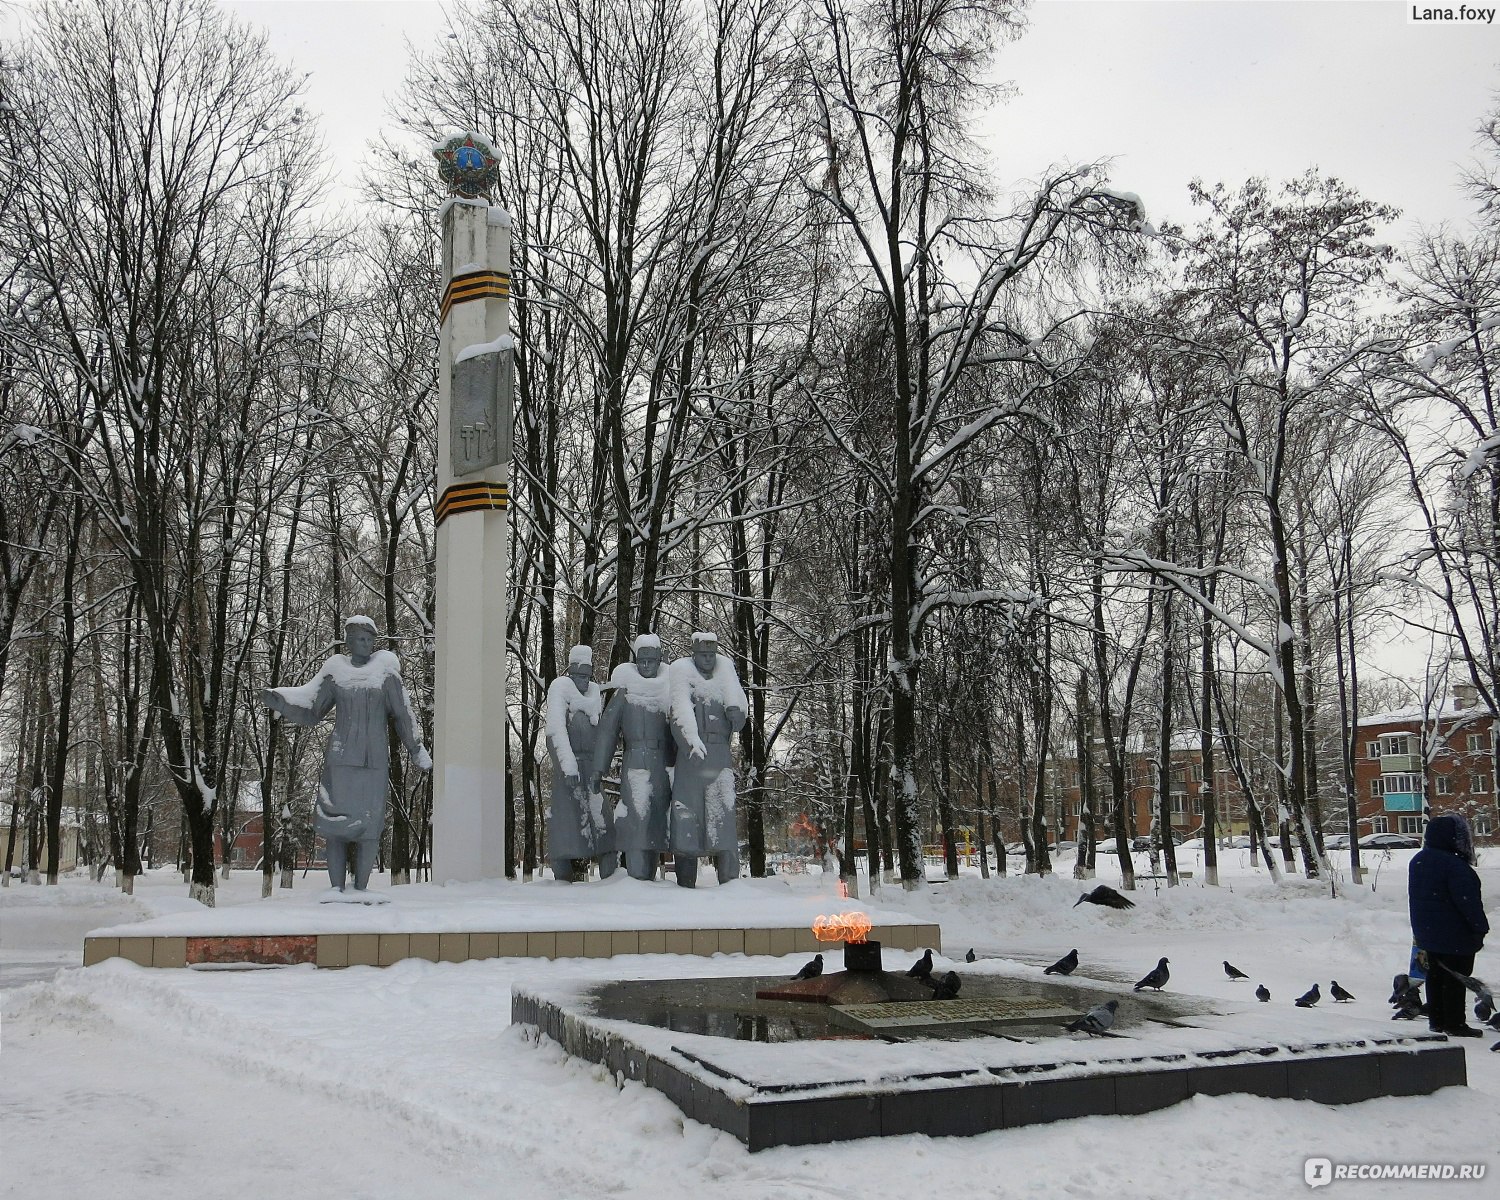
846	927
862	956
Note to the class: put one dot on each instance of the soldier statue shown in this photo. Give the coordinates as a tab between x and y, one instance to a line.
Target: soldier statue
365	691
637	715
708	709
579	826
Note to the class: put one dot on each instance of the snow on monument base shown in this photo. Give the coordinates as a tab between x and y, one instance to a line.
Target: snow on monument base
815	1089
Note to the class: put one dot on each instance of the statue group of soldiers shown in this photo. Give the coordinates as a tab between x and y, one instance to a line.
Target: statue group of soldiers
677	794
676	773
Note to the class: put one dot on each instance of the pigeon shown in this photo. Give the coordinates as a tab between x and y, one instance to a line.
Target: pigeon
1096	1020
1340	995
1233	971
1066	965
922	968
971	956
1156	977
1263	993
1493	1021
947	987
1308	999
1477	986
1399	987
1409	1006
812	970
1105	895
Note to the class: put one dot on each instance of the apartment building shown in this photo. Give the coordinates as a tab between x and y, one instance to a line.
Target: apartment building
1420	760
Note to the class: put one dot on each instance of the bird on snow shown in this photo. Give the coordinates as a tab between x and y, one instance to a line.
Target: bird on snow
1480	989
1340	995
812	970
947	987
922	968
1493	1020
1233	971
1399	986
1105	895
1066	965
1156	977
1309	998
1263	993
1409	1006
971	956
1096	1020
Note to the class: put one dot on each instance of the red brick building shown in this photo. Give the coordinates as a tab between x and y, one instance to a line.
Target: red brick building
1140	782
1415	761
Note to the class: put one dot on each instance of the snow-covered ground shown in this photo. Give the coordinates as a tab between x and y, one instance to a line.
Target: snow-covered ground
410	1081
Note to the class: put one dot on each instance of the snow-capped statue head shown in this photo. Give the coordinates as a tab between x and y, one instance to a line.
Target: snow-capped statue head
581	666
359	636
705	653
647	653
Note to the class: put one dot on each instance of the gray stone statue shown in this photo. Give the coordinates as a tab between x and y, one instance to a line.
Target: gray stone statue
579	826
637	714
708	709
365	691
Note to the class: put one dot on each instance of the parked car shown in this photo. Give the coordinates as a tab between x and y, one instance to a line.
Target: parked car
1390	841
1339	841
1064	847
1016	848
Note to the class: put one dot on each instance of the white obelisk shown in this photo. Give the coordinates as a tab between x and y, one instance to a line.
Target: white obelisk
474	415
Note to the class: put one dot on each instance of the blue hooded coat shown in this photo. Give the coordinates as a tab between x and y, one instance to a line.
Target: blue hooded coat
1447	913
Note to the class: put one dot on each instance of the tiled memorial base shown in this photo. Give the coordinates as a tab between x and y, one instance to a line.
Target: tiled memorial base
383	949
990	1095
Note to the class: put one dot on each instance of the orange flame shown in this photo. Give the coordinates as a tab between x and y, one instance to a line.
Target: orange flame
846	927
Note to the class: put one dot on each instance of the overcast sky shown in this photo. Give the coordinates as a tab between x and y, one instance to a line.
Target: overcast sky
1171	89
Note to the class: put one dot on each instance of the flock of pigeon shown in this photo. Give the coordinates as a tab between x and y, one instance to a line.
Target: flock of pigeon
1406	994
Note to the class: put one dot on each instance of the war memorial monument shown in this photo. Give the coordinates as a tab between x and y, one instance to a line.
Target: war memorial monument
774	1048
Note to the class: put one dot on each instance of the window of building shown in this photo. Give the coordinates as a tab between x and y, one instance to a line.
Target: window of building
1482	825
1372	749
1445	785
1395	743
1405	784
1179	802
1380	825
1476	743
1479	785
1410	825
1377	786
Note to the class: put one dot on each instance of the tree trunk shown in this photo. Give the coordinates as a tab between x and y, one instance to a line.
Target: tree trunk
1164	771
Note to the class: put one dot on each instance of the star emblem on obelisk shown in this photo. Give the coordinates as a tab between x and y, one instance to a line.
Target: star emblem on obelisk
467	166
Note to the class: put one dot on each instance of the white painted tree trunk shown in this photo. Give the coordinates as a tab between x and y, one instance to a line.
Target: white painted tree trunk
203	893
286	877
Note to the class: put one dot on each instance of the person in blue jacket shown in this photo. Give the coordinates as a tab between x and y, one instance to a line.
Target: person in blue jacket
1447	918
